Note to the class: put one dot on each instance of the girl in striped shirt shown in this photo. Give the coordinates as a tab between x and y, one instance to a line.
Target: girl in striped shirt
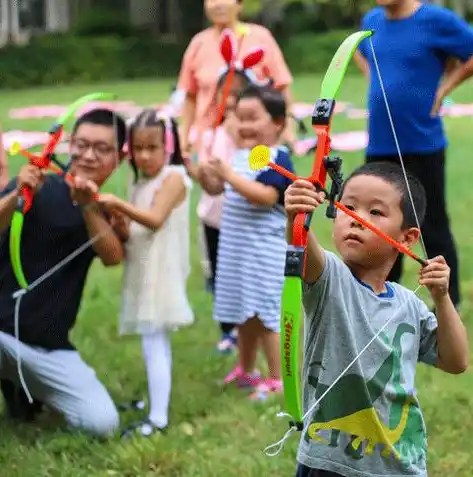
252	244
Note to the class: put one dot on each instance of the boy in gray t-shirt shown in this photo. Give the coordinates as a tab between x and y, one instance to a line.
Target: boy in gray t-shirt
370	422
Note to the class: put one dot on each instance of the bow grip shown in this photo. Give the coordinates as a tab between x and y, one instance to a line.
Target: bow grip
294	266
25	200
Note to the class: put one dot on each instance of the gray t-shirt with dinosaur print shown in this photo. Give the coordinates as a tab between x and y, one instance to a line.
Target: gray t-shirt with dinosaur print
370	423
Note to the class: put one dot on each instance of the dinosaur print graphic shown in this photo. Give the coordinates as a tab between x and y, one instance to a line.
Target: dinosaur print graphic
366	425
348	409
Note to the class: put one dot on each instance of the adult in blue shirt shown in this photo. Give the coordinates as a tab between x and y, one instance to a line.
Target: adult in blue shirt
62	219
414	43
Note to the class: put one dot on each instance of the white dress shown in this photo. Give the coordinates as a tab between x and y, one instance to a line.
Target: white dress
157	265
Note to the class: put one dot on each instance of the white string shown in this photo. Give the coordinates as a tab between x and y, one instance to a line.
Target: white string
18	295
278	446
398	148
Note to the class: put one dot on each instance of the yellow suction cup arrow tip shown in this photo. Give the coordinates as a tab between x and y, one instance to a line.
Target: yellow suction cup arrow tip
260	157
15	149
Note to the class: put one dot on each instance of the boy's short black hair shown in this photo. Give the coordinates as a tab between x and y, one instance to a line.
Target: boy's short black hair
271	98
104	117
394	175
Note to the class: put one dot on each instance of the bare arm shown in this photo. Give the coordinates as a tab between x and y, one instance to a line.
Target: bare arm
315	254
289	132
210	182
7	207
362	64
254	192
187	120
456	75
171	194
107	245
121	225
452	338
451	66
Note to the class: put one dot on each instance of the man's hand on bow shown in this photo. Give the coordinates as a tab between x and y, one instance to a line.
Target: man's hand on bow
30	176
302	196
83	191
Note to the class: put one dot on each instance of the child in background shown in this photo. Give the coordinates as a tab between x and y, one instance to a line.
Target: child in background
157	255
252	245
370	422
221	143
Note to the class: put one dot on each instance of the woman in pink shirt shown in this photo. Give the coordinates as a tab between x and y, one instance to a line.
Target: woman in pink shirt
199	76
202	63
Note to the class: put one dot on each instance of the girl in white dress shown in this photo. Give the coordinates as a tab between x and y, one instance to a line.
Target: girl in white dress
157	254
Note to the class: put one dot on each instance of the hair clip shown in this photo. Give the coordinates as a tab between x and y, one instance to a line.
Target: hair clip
168	134
228	49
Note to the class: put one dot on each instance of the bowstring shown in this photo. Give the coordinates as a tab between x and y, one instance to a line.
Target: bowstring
19	294
278	446
398	148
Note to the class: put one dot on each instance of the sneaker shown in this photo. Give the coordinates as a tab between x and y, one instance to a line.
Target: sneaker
242	379
144	428
266	388
228	343
17	404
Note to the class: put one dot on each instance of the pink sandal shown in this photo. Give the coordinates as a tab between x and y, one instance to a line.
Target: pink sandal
242	379
266	388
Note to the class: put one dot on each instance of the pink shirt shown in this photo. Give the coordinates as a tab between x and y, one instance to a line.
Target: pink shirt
210	207
203	62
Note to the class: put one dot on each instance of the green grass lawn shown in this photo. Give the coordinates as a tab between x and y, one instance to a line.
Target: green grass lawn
217	432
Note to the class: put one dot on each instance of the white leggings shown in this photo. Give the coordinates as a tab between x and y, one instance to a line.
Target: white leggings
158	360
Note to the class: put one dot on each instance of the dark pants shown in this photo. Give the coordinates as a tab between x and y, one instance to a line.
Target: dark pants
211	239
304	471
430	170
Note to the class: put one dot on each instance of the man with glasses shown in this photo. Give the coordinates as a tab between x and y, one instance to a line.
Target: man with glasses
63	218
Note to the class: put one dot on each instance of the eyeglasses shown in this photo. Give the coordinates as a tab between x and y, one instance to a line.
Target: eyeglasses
101	149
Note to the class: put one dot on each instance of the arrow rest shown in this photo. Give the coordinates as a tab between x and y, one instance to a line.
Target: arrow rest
323	111
333	165
53	158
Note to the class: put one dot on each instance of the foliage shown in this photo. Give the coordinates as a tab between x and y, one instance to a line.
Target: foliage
213	432
64	59
309	53
68	59
100	21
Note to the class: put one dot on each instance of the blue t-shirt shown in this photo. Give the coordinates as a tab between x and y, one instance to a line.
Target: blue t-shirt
412	54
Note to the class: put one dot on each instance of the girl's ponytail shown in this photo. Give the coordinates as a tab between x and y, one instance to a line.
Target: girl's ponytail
176	156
